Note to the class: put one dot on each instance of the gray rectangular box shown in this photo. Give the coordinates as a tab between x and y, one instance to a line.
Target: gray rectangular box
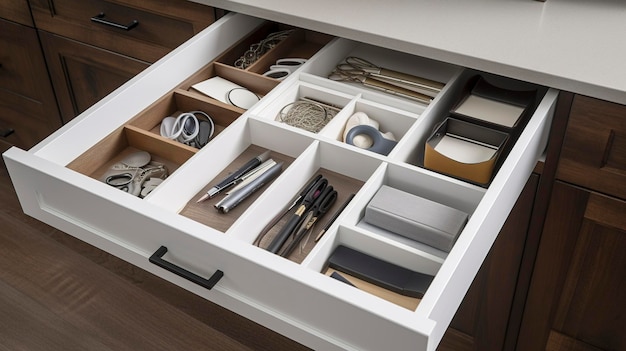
414	217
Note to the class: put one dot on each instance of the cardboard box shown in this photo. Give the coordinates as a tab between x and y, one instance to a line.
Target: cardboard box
464	150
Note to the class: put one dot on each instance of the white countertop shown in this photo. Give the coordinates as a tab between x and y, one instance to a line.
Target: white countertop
573	45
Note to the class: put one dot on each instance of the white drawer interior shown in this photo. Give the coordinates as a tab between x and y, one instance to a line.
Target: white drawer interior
358	171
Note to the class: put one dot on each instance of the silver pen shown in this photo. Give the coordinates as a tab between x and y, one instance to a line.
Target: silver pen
232	178
250	176
232	200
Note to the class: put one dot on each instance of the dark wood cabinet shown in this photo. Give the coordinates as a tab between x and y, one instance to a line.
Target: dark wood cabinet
83	74
577	299
28	110
594	149
482	319
94	46
16	11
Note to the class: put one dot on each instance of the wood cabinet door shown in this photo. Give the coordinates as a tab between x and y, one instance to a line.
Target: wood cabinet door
594	148
577	296
82	74
16	11
28	110
482	319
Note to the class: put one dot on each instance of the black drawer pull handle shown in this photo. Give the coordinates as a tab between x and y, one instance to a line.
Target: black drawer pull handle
157	259
99	18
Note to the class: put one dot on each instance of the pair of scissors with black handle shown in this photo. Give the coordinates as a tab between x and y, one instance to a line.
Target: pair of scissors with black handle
308	200
295	201
321	205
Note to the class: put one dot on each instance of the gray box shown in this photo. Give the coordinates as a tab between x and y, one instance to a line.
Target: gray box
415	217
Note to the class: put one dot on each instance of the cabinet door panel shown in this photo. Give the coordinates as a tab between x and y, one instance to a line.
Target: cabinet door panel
577	292
82	74
594	149
16	11
27	104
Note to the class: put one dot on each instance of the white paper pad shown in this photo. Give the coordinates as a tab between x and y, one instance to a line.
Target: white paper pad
490	110
216	87
464	151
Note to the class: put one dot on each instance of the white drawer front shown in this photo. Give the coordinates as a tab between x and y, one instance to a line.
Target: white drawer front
291	298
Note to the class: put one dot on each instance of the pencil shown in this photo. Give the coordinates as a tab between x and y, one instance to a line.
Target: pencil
334	217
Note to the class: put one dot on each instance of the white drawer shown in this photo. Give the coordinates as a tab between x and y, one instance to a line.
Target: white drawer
292	298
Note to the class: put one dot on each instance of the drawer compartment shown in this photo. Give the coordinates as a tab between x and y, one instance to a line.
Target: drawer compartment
594	149
293	295
271	42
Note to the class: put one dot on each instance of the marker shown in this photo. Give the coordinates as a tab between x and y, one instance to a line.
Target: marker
232	178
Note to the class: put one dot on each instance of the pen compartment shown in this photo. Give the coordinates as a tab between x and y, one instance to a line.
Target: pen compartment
229	152
326	159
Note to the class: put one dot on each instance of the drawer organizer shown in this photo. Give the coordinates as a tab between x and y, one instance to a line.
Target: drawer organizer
59	182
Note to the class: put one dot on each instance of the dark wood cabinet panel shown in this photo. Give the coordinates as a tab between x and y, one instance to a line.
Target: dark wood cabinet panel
160	25
594	149
83	74
482	319
27	102
16	11
577	298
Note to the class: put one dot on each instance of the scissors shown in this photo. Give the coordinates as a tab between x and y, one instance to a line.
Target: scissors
316	190
362	71
295	201
321	205
120	181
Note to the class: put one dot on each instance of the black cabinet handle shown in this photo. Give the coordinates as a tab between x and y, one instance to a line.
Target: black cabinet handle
157	259
99	18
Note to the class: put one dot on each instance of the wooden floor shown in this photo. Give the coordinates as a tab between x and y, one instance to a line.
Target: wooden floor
57	293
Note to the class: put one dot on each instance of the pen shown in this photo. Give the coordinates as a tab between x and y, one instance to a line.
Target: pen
334	217
252	175
232	200
230	179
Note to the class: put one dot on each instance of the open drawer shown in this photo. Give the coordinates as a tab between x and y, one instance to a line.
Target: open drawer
58	183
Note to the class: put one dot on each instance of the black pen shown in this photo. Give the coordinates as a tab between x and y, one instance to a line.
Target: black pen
231	179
